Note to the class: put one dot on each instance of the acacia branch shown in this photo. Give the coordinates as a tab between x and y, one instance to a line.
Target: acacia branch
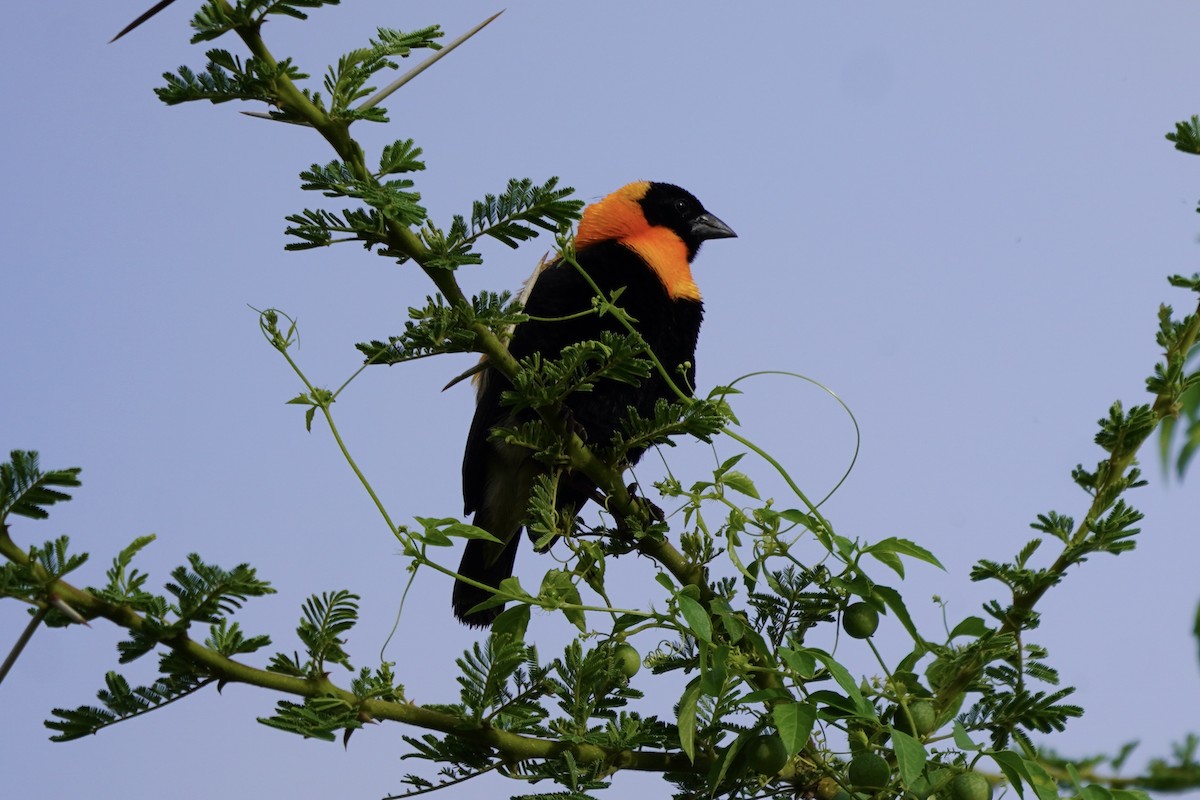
1166	404
510	746
1105	493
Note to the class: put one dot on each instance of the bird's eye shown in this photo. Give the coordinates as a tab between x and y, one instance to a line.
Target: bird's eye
682	206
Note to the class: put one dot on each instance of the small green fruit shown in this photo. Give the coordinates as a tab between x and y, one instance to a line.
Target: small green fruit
628	659
923	717
766	754
970	786
868	772
860	621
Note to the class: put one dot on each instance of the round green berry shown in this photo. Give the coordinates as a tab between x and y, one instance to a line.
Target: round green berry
869	772
628	659
860	620
970	786
766	754
923	717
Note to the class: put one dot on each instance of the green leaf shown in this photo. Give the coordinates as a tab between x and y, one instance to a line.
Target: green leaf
730	621
1186	136
227	639
485	672
1018	770
764	695
510	589
910	756
687	718
1012	767
1088	792
727	465
125	586
437	531
713	670
962	739
327	619
558	588
207	592
727	757
973	627
227	77
464	531
511	216
794	721
120	701
740	482
905	547
800	518
400	156
25	490
802	661
1043	785
837	706
845	680
895	602
696	617
512	622
888	559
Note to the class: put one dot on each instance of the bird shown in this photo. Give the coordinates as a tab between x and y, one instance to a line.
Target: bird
642	238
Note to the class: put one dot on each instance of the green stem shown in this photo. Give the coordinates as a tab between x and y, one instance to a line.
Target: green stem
765	456
337	437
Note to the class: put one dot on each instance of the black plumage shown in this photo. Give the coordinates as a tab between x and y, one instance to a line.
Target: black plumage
632	246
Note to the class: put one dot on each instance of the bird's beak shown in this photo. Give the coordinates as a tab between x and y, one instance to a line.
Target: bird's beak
706	226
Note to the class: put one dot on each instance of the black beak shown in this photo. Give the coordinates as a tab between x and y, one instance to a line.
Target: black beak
706	226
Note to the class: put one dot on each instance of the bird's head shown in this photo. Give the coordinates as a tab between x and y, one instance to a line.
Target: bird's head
661	222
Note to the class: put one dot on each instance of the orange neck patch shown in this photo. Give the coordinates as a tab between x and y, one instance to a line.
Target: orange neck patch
666	254
619	218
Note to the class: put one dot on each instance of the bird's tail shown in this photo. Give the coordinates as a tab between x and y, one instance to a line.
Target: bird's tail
480	562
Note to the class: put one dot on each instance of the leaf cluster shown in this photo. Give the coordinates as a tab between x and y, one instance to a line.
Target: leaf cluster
326	620
514	215
346	83
546	382
1180	376
503	685
439	328
217	17
228	77
699	418
26	490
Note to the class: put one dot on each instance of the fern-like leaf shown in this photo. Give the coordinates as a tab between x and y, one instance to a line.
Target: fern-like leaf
120	702
26	491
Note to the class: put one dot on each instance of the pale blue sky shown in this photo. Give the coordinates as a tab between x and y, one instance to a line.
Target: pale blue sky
959	217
